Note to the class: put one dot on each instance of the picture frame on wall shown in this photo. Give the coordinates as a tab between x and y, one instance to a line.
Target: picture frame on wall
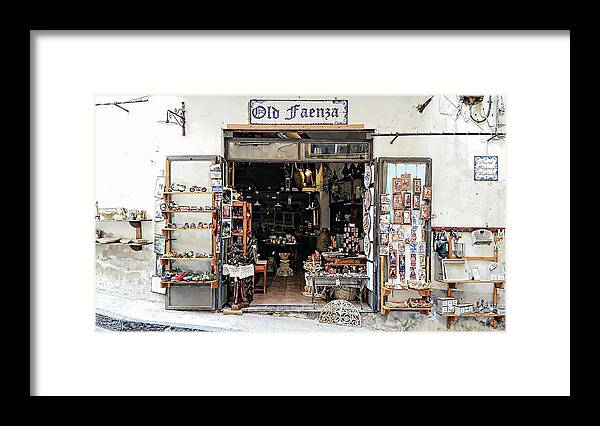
425	211
393	257
159	186
406	200
397	201
384	203
427	192
396	185
392	275
399	216
417	185
405	181
416	201
406	217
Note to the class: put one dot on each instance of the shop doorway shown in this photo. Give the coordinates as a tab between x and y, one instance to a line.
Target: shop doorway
305	190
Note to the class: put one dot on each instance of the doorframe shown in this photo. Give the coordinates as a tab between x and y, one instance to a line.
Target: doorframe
358	128
379	188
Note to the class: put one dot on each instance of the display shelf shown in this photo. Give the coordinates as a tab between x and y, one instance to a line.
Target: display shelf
473	281
387	308
474	314
187	258
135	223
189	211
454	317
423	292
188	193
167	284
133	246
187	229
123	221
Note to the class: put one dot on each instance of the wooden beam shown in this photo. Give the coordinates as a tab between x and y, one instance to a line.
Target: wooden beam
295	127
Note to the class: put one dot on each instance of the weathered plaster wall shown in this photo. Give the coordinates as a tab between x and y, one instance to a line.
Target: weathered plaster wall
131	148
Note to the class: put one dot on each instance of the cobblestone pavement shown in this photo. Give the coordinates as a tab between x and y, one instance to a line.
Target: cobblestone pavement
119	313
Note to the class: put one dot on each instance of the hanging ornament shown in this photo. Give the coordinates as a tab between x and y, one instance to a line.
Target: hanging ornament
346	170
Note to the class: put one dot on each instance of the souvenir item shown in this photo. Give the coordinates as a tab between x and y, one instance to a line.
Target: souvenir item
406	199
405	182
384	250
395	238
417	185
385	208
427	192
413	259
392	272
421	248
405	216
367	177
416	201
415	220
393	256
398	216
384	239
366	223
413	273
425	211
396	185
196	188
397	201
367	199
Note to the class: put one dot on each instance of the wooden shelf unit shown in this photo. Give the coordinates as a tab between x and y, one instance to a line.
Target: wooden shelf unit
246	219
137	224
451	285
167	232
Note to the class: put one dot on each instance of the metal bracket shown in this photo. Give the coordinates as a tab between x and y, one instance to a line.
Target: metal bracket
177	116
118	104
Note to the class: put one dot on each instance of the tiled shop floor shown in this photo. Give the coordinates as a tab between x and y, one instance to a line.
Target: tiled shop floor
285	291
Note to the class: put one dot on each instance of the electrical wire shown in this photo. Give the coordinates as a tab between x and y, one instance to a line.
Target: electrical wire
487	115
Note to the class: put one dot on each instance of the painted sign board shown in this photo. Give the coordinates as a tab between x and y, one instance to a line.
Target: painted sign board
485	168
298	111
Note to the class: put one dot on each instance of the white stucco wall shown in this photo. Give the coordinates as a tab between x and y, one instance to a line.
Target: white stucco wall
130	148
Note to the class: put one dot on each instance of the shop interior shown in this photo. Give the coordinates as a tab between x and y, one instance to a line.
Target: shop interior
306	217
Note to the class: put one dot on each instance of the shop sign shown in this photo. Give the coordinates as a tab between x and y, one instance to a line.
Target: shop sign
298	111
485	167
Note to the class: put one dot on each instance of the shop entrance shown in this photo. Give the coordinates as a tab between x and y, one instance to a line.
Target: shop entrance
304	191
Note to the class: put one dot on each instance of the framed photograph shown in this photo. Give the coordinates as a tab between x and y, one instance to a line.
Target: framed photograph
159	186
397	201
416	201
393	257
392	272
406	200
405	217
405	182
427	192
384	239
226	211
399	216
425	211
417	185
384	199
385	208
396	185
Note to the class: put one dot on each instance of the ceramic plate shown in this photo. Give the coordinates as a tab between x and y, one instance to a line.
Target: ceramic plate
366	223
367	177
367	199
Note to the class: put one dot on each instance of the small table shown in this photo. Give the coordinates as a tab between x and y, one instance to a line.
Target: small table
337	282
261	266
